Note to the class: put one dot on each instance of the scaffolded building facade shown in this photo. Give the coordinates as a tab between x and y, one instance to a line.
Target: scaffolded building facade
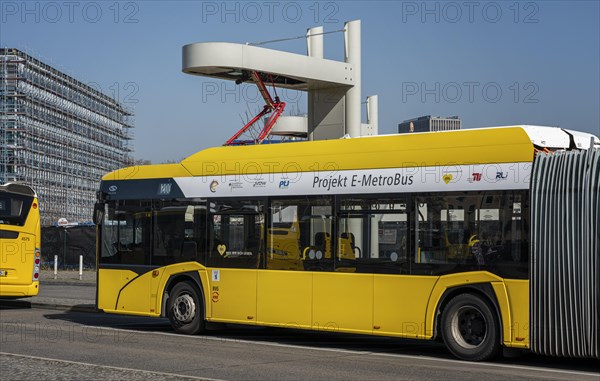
58	135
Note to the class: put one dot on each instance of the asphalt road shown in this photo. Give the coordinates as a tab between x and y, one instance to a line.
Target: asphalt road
68	291
52	345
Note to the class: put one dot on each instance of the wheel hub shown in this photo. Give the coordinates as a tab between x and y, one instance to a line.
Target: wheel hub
469	327
184	308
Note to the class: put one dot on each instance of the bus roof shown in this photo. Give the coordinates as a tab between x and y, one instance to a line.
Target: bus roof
487	145
17	188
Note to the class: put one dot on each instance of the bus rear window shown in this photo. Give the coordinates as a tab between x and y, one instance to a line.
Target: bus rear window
14	209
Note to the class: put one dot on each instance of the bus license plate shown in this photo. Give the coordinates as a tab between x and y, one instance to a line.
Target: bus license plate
3	273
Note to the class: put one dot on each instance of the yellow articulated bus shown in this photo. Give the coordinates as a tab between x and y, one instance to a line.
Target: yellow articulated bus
423	235
20	241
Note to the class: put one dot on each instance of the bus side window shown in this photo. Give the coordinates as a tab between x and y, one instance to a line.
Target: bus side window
467	231
373	235
178	231
235	233
299	234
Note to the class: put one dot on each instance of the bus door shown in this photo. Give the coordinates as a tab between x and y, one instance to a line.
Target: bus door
343	299
236	229
298	244
372	265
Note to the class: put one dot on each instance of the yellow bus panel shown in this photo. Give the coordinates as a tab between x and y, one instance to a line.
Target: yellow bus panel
129	298
285	298
504	310
399	308
518	299
110	284
233	295
16	261
343	301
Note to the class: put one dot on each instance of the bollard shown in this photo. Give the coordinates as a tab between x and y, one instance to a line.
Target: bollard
55	266
80	267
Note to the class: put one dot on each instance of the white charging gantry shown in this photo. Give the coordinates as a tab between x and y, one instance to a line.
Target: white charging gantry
333	87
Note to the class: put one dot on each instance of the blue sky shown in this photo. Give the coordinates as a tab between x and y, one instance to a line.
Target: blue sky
490	62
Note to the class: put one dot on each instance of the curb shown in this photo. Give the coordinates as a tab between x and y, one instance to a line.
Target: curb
68	283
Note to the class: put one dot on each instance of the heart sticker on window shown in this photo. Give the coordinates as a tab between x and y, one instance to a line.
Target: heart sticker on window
221	249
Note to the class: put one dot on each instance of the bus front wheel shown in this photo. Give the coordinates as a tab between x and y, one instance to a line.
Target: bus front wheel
470	328
185	309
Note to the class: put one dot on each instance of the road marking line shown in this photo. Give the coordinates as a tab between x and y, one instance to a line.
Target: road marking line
356	352
352	352
110	367
482	364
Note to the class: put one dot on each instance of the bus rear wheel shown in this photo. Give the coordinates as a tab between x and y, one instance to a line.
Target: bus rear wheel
470	328
184	309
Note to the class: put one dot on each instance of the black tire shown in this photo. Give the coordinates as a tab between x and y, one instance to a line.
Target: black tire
185	310
470	328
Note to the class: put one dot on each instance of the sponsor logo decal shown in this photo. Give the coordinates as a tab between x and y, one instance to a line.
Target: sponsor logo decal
475	177
213	186
236	185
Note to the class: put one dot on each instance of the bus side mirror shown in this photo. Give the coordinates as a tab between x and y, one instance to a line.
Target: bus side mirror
98	213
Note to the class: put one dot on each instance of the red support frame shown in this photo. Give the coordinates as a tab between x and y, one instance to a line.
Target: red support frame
274	107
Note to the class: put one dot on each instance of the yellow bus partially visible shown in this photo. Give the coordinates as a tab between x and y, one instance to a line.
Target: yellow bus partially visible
20	241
